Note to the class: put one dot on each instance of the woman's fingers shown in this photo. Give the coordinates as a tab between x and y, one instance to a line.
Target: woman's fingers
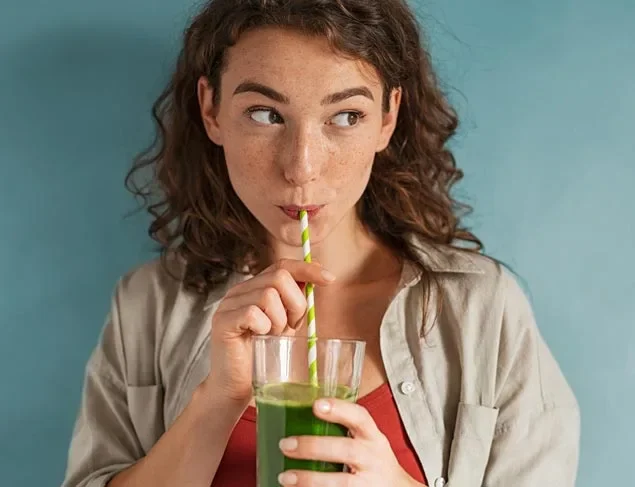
303	271
356	418
306	478
325	449
283	277
268	300
248	318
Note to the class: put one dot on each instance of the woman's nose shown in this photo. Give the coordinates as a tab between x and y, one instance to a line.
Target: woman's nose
303	157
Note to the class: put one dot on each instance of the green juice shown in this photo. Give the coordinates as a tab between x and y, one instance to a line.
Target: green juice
287	410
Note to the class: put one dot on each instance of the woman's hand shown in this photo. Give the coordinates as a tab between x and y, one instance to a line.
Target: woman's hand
271	303
367	453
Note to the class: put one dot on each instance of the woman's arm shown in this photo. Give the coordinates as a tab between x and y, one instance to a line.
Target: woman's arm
537	434
107	447
189	453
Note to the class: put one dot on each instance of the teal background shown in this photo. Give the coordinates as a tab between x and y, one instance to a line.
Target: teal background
546	93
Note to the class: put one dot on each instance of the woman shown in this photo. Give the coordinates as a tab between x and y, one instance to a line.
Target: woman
331	106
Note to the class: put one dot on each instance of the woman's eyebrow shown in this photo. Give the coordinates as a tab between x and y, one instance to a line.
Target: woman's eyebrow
253	87
348	93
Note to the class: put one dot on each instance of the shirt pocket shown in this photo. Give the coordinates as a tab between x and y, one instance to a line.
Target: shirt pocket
471	445
145	404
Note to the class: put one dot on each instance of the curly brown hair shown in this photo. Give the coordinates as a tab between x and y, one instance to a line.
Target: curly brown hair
196	212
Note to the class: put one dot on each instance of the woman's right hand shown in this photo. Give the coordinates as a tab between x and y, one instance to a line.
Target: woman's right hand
271	303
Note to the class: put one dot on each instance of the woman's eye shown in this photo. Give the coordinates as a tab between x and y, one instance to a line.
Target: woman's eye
347	119
265	116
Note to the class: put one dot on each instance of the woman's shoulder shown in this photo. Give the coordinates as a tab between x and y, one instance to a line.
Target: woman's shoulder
470	273
153	294
479	290
487	316
164	271
156	325
150	283
162	278
150	294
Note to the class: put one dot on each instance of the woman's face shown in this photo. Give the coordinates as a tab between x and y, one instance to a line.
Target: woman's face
300	127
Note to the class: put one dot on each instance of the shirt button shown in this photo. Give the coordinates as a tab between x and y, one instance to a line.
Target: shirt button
440	482
408	388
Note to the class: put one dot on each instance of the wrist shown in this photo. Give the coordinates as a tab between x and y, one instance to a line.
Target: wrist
210	405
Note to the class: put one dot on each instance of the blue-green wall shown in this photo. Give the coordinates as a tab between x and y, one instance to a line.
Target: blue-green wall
546	92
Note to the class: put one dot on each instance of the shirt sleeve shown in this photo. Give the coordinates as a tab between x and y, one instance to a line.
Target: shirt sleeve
536	437
104	440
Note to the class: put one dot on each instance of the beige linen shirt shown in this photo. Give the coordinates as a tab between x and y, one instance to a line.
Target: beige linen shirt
482	399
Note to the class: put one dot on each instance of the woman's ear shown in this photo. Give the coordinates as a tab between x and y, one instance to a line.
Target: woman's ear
390	120
209	110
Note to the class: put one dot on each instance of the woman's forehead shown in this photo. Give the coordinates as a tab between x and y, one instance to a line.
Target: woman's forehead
287	58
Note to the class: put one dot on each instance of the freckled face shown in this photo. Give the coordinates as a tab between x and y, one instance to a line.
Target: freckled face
300	126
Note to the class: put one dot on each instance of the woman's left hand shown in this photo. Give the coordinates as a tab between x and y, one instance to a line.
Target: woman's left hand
367	452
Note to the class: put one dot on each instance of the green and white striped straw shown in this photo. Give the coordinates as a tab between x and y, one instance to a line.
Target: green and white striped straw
312	332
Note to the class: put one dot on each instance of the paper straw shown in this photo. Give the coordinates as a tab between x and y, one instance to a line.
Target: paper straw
312	331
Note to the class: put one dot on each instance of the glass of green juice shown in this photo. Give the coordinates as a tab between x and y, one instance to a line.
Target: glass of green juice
285	395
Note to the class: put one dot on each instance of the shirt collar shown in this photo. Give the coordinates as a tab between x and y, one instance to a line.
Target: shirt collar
445	258
438	259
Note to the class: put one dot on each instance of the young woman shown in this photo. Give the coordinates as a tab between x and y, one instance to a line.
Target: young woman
331	106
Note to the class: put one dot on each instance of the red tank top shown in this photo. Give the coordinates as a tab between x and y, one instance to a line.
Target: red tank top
238	465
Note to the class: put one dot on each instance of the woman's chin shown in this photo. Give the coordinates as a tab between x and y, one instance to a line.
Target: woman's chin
286	232
290	235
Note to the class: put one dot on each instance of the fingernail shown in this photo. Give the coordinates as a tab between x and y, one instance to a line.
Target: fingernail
288	444
327	275
287	478
323	406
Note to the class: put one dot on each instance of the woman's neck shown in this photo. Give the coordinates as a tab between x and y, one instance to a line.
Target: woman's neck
351	252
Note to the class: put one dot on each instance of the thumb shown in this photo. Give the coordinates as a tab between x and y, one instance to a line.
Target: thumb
289	332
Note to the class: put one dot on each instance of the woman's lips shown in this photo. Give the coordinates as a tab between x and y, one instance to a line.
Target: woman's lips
294	211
